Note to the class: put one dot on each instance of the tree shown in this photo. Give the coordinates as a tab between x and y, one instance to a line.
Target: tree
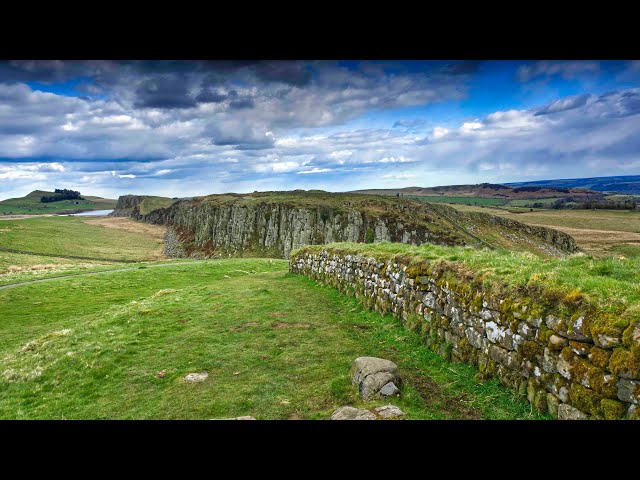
61	194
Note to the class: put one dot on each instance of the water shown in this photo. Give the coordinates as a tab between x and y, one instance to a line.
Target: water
93	213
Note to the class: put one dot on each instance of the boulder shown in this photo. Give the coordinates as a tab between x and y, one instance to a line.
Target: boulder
372	375
351	413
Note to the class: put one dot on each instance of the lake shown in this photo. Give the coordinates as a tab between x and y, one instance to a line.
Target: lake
93	213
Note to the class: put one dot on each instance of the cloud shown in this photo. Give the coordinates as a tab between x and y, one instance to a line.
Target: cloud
207	95
566	69
439	132
564	104
163	92
219	126
315	170
291	73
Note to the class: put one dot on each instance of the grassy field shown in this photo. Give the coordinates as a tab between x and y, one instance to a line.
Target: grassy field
598	232
80	237
481	201
151	203
459	200
104	238
275	346
30	204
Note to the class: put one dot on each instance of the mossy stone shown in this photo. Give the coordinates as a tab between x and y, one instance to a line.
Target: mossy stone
599	356
625	362
585	399
612	409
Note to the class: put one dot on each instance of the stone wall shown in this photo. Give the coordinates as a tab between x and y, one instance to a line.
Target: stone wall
566	364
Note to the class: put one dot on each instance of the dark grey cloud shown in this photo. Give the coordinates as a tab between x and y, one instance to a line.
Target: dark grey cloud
242	103
291	73
163	92
208	95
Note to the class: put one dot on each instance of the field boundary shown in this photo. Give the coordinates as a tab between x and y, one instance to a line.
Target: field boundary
26	252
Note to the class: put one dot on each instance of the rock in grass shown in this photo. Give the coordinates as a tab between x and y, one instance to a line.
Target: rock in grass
388	411
372	374
389	390
351	413
196	377
246	417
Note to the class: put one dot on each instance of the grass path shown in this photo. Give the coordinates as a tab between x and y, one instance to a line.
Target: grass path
275	346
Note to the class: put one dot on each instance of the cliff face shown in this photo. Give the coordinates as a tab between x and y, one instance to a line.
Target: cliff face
276	229
274	223
128	206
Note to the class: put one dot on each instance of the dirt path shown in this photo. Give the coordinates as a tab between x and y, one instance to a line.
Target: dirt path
22	217
98	273
56	255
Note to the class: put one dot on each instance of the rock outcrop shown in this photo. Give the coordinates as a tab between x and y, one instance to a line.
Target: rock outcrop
275	223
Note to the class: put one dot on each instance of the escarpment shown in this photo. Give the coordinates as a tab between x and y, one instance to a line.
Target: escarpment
128	206
274	223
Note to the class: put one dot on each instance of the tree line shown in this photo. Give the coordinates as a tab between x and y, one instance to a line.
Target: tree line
61	194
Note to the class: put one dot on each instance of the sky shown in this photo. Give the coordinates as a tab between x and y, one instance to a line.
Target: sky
186	128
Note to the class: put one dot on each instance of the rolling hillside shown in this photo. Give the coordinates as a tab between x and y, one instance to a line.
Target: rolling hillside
31	205
487	190
627	184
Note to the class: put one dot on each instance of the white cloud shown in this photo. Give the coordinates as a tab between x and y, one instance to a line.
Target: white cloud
315	170
439	132
470	126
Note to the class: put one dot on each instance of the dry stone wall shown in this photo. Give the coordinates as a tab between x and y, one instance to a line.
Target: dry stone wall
563	364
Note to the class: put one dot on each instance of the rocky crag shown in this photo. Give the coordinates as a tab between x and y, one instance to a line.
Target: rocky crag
274	223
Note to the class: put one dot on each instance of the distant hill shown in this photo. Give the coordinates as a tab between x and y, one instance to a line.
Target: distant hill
489	190
627	184
30	204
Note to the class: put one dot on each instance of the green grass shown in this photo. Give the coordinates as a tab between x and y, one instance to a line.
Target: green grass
31	204
72	236
609	220
628	250
612	283
530	201
151	203
598	232
92	348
